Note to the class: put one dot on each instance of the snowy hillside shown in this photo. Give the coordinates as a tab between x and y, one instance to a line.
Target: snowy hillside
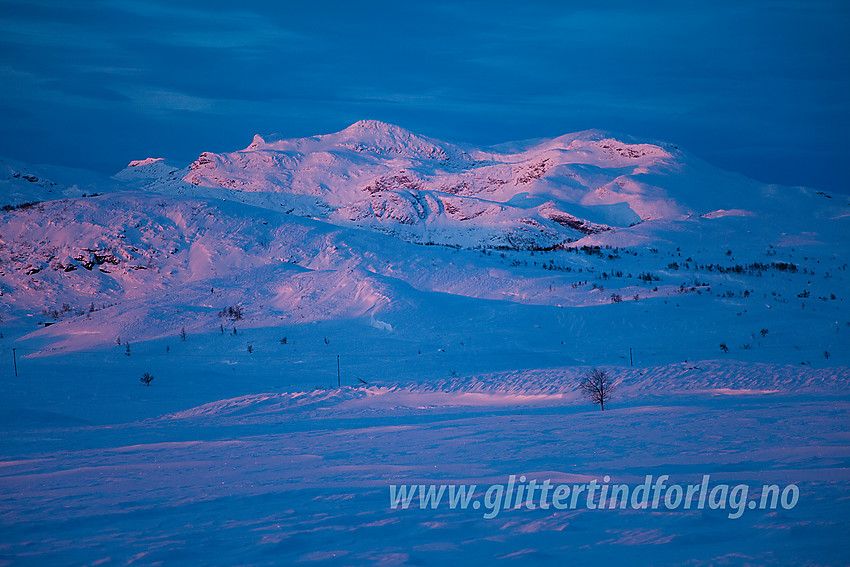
532	195
322	318
614	245
22	183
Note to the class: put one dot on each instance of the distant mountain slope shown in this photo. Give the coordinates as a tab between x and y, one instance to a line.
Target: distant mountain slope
26	183
598	241
528	195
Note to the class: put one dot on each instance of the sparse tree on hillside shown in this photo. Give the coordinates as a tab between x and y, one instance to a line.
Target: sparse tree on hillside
183	333
146	378
597	387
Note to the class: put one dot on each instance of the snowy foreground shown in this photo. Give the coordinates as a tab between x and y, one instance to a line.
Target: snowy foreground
108	473
331	319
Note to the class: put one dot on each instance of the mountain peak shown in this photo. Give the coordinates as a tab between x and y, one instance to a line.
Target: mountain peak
383	139
257	142
146	161
380	132
373	127
143	170
363	135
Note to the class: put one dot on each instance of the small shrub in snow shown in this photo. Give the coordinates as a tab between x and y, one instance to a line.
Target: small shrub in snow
597	387
147	378
234	313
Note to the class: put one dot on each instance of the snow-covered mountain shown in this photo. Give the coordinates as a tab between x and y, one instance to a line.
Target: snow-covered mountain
528	195
331	317
332	227
23	183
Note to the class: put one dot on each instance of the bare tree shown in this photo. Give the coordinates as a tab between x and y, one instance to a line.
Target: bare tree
147	378
597	387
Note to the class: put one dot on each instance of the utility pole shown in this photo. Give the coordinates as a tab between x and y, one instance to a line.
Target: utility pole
15	362
338	382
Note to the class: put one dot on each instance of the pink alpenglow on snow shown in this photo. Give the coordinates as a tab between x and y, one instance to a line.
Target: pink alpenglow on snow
146	161
330	316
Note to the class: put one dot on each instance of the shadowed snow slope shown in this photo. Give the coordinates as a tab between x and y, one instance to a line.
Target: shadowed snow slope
585	245
306	349
527	195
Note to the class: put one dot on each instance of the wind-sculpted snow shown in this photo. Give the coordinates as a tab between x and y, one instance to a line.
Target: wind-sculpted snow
523	196
612	241
232	362
526	388
385	178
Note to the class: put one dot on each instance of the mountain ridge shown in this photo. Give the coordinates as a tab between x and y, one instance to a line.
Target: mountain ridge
601	244
539	194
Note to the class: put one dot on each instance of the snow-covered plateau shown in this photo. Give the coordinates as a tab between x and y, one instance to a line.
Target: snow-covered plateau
329	316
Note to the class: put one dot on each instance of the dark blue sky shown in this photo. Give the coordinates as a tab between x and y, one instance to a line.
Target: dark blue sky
755	87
